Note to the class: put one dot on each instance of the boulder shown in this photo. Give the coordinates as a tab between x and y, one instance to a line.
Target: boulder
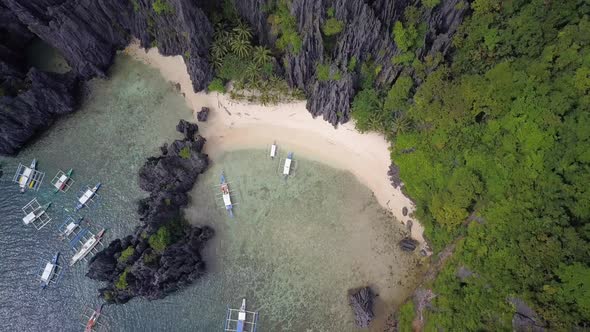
361	301
203	114
408	244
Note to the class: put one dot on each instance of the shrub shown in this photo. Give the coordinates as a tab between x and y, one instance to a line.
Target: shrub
323	72
162	7
405	38
125	254
330	12
430	3
285	27
406	316
160	240
332	26
216	85
121	283
185	153
352	64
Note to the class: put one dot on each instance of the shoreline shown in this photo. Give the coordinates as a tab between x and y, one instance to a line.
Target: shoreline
235	125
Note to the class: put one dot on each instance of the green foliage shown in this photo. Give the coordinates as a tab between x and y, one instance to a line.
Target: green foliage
135	5
125	254
216	85
150	257
366	108
330	12
122	283
406	315
498	151
325	72
161	7
285	27
430	3
404	37
351	64
185	153
404	58
332	26
397	97
187	55
160	240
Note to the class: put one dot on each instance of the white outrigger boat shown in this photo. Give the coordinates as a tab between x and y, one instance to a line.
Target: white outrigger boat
62	181
36	214
287	167
273	150
225	193
246	321
87	247
28	177
87	196
69	227
51	272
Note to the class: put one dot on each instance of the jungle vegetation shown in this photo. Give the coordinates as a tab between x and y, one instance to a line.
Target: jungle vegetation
494	148
250	68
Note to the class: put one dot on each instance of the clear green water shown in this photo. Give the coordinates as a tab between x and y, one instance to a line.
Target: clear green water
293	250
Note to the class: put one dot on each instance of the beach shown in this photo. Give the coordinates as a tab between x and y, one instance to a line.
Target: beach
235	125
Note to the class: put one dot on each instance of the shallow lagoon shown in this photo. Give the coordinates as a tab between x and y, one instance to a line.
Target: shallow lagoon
293	249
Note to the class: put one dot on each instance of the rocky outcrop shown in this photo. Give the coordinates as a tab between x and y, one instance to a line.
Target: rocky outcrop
361	301
525	318
89	32
203	114
163	254
41	98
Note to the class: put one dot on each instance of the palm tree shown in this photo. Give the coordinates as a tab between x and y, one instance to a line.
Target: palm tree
261	55
252	72
218	52
240	47
400	124
242	31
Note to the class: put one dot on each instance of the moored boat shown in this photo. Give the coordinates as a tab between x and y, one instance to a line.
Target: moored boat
241	317
69	228
87	247
62	182
225	193
25	178
35	214
273	150
93	319
49	271
87	196
287	167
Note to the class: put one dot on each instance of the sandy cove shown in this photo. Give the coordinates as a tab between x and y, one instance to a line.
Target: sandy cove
239	125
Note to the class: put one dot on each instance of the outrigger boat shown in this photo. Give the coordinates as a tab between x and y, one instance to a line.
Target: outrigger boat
87	196
69	227
225	193
87	247
51	272
62	181
287	167
246	321
92	320
92	317
36	214
273	150
28	177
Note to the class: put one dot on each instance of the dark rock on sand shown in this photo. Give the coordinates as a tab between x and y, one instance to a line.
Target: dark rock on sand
148	269
404	211
361	301
408	244
203	114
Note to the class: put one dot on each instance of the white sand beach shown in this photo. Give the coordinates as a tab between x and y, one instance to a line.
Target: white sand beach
239	125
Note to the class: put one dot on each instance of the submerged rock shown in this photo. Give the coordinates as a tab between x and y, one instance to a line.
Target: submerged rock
361	301
163	254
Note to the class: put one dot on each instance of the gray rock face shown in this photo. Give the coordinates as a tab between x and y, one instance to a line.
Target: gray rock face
361	301
203	114
153	272
42	98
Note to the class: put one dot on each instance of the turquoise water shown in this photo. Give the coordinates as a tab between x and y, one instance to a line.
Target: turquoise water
293	250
